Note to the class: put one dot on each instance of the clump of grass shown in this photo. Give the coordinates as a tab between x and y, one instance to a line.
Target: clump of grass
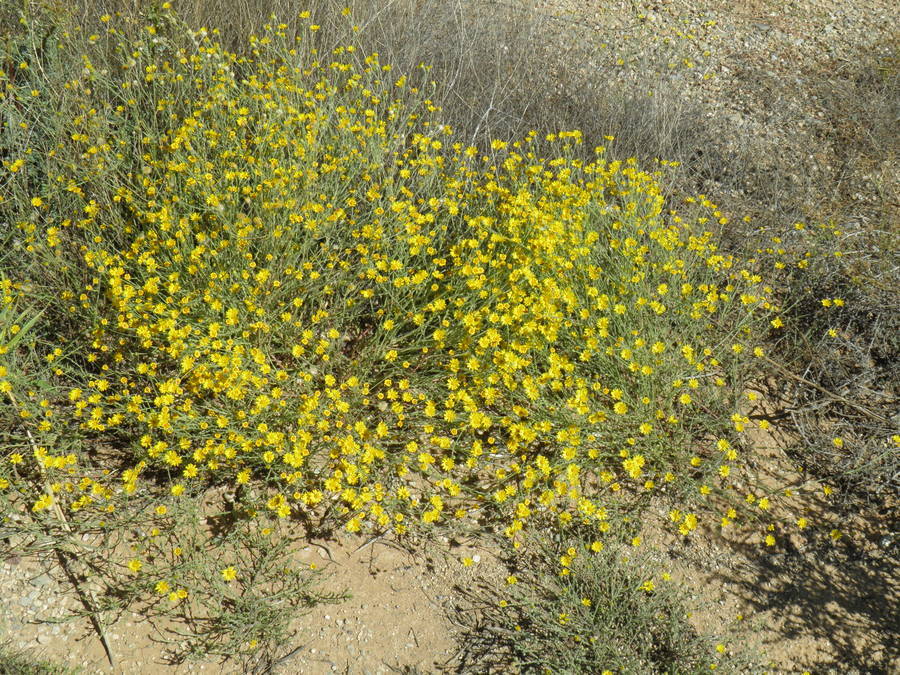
607	614
230	586
17	662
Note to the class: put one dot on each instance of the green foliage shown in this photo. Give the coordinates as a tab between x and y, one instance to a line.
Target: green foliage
277	273
15	662
605	613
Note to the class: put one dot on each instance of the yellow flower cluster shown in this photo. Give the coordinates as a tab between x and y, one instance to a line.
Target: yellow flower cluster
304	281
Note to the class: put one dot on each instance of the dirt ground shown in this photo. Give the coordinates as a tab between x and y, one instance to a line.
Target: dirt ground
811	606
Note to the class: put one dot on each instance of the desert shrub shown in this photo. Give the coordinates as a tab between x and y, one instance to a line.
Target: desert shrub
253	312
840	336
278	272
838	347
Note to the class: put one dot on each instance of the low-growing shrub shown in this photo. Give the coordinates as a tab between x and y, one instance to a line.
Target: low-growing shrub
297	283
277	272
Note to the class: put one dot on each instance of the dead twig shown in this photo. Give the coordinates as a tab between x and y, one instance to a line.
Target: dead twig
823	390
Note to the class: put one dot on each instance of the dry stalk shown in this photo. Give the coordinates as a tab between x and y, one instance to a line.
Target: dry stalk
823	390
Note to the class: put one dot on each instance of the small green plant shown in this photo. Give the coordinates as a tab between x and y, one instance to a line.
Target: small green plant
230	585
17	662
605	613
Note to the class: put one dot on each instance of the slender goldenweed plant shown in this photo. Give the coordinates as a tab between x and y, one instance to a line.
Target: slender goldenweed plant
276	273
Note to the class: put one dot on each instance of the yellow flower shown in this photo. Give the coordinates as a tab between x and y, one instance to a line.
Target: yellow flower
634	465
135	565
43	502
689	524
229	574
